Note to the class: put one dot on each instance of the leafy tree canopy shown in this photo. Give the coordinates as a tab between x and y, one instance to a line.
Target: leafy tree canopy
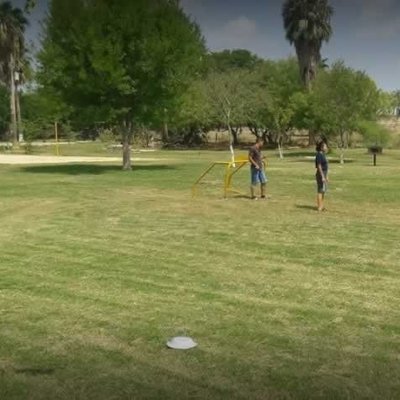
342	97
227	60
119	60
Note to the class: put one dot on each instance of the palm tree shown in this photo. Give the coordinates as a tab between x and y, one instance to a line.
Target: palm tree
307	24
29	5
12	48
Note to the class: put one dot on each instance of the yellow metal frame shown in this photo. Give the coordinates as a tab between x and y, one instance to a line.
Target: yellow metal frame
231	168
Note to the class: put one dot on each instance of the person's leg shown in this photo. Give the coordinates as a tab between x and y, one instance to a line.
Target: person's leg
263	182
253	191
320	201
254	183
320	193
323	202
263	186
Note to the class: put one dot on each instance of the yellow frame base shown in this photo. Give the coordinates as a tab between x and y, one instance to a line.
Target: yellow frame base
231	168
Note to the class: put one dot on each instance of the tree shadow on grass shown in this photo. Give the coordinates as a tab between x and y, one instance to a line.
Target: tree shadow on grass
239	197
89	169
35	371
106	378
337	161
311	160
306	207
299	154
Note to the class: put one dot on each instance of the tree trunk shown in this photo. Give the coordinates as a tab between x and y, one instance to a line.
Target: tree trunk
268	137
308	55
234	134
126	146
342	156
312	135
13	108
165	135
255	131
280	149
20	132
342	147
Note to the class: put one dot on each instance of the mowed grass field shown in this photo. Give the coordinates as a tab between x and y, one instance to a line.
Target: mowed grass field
99	267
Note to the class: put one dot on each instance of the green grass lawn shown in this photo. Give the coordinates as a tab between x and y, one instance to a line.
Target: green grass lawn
99	267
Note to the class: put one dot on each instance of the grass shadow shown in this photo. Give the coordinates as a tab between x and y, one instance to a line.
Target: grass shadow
305	207
35	371
337	161
88	169
299	154
239	196
330	160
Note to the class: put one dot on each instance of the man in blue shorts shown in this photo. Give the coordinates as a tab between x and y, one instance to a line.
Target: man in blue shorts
258	176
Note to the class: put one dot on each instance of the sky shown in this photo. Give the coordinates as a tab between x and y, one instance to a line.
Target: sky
366	33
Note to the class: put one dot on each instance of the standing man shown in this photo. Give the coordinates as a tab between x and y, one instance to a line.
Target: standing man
321	165
257	169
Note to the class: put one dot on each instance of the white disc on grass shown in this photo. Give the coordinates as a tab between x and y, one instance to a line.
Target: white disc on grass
181	343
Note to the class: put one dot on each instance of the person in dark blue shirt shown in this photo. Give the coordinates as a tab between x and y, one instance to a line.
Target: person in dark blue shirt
321	166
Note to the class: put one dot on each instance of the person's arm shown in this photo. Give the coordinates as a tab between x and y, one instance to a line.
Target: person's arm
318	163
254	163
321	172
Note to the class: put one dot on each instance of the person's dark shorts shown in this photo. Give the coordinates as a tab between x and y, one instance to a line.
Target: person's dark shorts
321	185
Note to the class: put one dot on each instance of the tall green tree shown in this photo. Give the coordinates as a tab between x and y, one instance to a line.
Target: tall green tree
388	103
341	100
119	61
374	133
12	49
282	82
228	60
307	24
396	102
40	110
193	115
231	95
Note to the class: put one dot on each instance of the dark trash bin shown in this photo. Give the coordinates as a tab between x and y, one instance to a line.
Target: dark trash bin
374	150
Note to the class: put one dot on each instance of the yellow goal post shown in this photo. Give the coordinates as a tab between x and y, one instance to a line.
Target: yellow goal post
231	168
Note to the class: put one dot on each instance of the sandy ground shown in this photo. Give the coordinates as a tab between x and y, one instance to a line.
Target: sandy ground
27	159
